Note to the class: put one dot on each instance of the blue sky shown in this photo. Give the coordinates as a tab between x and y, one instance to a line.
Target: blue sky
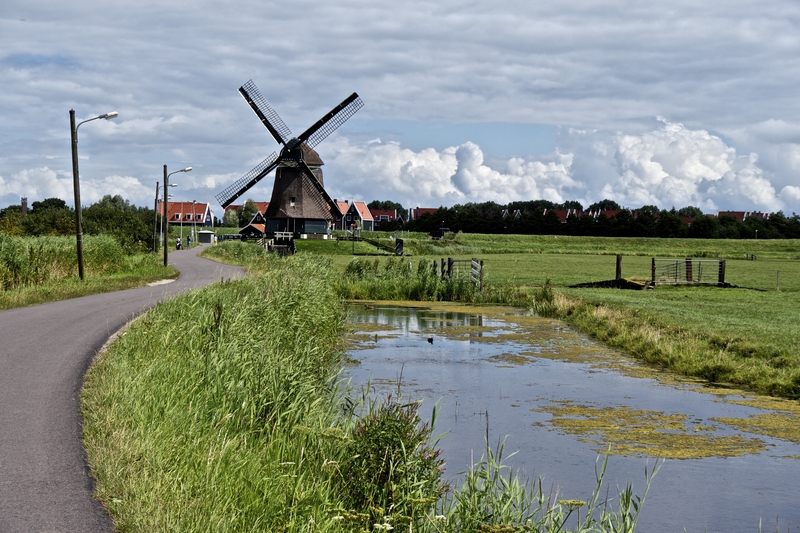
672	104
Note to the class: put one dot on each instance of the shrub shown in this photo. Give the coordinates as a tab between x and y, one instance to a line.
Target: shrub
392	474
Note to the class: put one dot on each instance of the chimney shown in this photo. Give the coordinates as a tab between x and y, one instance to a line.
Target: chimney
24	207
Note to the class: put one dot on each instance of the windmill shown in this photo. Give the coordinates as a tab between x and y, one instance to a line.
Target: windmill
299	202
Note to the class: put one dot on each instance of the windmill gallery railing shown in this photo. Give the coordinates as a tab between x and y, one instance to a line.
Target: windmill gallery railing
459	268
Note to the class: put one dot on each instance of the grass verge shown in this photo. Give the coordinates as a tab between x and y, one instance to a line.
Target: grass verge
136	271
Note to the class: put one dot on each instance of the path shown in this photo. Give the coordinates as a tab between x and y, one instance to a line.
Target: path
44	352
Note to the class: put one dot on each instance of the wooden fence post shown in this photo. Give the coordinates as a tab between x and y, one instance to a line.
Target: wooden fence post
451	263
653	271
619	266
721	279
689	270
481	276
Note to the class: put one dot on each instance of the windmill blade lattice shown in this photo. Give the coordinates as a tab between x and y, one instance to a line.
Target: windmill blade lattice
268	116
324	201
240	186
335	118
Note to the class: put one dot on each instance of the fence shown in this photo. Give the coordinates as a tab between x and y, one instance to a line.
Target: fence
455	268
688	271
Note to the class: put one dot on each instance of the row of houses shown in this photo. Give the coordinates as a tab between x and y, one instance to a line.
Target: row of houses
355	214
564	214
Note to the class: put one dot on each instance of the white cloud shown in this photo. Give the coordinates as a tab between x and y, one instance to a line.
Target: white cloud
378	170
676	166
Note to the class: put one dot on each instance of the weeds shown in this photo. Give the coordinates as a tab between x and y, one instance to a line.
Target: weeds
391	472
493	498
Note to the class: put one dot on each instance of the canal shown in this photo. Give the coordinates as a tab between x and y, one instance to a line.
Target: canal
560	400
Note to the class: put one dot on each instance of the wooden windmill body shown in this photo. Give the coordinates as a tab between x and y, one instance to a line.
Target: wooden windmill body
299	202
296	205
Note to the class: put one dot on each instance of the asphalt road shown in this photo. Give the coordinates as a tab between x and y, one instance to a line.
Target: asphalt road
45	351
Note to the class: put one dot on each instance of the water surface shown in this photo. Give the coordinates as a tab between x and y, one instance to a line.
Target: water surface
559	399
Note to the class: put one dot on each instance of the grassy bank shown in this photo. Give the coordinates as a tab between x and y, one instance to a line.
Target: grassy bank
220	410
746	338
36	270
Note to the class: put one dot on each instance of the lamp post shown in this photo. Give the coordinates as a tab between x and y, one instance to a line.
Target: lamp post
76	181
164	225
156	227
194	223
166	222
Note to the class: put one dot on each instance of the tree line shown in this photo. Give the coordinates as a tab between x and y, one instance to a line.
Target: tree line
538	217
131	226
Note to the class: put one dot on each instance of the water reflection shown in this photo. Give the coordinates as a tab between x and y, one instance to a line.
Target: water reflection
560	398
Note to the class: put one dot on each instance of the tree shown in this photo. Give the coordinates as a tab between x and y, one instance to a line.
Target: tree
116	216
48	203
10	210
231	218
247	212
604	205
52	221
388	205
11	222
116	201
570	204
670	224
690	211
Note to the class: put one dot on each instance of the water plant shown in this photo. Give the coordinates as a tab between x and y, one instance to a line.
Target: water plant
391	472
493	498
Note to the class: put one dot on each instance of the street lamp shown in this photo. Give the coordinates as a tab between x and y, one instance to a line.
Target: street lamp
194	224
166	222
76	181
155	218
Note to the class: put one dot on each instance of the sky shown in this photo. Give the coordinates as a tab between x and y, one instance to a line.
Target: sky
642	102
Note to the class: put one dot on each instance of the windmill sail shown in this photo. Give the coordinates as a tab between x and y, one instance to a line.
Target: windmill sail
240	186
330	122
268	116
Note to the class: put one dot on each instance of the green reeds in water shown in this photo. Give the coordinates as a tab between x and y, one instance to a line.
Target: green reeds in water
493	498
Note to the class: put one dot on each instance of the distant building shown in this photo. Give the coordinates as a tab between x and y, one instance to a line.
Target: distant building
417	212
262	207
188	213
383	215
358	211
741	216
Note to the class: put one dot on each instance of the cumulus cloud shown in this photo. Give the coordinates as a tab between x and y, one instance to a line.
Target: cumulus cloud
37	184
677	166
453	175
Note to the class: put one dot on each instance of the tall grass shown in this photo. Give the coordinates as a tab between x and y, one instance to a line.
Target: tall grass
218	411
399	279
248	255
747	338
28	261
